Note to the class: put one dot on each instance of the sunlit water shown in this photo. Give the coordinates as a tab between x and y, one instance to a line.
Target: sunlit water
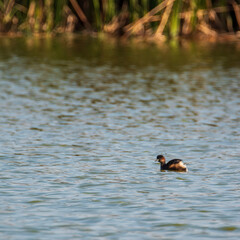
81	123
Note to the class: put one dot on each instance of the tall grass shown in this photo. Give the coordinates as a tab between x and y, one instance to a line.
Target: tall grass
97	14
59	15
174	22
175	18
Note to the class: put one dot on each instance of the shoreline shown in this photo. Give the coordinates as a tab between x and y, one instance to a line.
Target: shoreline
198	37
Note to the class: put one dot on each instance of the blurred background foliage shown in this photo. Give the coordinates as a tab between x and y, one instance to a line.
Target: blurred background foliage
122	18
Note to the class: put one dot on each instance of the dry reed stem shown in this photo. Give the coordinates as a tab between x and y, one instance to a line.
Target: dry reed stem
213	16
21	8
236	9
186	28
8	8
206	29
204	12
31	11
80	14
133	26
164	18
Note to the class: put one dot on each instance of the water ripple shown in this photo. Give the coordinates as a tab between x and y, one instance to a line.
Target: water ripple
79	140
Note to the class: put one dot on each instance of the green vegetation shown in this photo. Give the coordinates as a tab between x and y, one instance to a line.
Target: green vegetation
122	18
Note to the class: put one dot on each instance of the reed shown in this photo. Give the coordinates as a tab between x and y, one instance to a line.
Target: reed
109	10
59	11
97	13
171	18
174	21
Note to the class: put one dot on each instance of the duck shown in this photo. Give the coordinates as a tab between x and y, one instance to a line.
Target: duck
172	165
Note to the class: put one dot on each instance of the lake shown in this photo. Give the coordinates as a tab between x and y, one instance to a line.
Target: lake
82	121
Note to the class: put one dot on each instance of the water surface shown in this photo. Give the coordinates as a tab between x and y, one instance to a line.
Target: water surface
82	121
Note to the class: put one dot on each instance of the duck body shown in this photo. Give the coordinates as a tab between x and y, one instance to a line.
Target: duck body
172	165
